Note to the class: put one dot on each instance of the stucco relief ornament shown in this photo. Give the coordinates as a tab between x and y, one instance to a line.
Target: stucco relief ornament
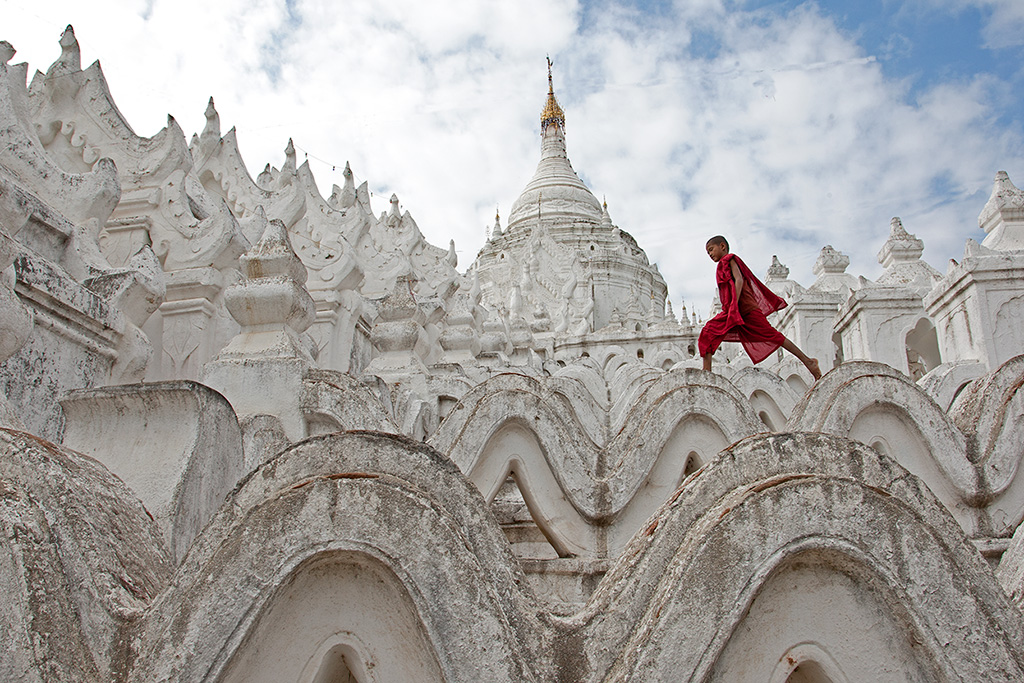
831	260
901	245
777	271
182	339
1002	218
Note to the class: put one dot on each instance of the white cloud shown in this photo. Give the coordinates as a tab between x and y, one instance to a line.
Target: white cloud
1002	20
775	129
788	139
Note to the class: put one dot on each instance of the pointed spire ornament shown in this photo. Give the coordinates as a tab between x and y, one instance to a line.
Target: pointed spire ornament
552	113
289	158
211	132
496	231
70	54
452	258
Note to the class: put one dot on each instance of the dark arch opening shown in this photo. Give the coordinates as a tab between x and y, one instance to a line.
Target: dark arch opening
334	668
808	672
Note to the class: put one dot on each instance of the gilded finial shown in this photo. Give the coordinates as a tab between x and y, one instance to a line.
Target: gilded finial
552	113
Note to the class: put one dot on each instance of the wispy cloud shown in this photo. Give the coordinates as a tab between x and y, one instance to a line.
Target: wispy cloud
1003	20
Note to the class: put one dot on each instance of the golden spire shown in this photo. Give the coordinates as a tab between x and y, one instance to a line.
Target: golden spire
552	112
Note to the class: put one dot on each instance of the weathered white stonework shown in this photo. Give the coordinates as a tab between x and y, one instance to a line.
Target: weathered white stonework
252	434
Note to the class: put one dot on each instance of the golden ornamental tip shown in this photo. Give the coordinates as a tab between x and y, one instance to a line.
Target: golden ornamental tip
552	112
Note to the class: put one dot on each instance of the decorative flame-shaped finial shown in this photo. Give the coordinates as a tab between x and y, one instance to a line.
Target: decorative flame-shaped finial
552	113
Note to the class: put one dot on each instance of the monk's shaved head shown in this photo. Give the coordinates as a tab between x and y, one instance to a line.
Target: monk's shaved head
718	239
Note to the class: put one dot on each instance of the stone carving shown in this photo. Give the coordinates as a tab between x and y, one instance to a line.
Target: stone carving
901	258
1002	219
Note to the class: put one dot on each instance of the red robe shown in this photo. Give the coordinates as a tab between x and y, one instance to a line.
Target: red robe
743	320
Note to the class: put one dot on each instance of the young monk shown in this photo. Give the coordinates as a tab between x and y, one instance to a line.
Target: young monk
745	303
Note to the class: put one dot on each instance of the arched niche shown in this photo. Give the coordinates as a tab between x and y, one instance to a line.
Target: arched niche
320	423
513	450
892	430
797	383
337	664
837	349
340	616
517	521
695	440
807	662
922	348
808	672
767	410
692	464
806	626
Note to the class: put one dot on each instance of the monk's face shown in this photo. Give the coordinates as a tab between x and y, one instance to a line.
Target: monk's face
716	251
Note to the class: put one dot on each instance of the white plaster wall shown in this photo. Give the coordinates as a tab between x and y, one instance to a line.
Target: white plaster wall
346	600
893	432
809	602
515	447
767	410
695	434
1007	322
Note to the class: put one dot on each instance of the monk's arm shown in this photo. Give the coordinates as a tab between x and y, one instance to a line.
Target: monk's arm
737	278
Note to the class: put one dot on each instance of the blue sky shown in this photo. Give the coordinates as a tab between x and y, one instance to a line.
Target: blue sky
785	125
925	46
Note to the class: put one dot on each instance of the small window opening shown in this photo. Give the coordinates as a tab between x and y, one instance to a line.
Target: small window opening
808	672
335	668
692	464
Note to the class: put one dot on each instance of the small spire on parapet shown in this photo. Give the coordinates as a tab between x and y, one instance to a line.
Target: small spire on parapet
452	258
211	132
265	180
63	78
394	215
776	271
496	231
347	194
71	54
289	158
1002	219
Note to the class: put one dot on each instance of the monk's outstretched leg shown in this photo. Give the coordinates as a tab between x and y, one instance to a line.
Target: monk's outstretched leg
810	363
707	362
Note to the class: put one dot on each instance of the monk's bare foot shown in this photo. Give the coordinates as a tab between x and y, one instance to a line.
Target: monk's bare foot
812	365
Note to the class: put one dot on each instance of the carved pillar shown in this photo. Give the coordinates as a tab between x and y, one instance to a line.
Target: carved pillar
15	324
460	337
261	369
402	344
190	326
